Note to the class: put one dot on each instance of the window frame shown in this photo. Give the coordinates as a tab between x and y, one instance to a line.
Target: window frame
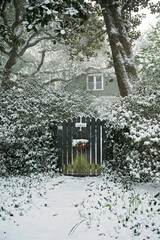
94	82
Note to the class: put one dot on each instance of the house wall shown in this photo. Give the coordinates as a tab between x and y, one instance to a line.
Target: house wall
80	83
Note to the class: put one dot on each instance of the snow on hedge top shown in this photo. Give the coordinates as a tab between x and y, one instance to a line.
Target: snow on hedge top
71	11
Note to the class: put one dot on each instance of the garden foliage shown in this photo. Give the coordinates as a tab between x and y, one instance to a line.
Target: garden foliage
28	126
148	58
133	135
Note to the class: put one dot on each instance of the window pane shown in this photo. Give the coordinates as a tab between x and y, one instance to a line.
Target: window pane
90	82
99	82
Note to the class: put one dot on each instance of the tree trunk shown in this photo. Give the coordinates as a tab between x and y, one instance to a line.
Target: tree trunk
126	44
6	82
120	47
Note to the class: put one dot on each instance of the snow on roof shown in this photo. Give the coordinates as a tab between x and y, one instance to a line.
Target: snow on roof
91	70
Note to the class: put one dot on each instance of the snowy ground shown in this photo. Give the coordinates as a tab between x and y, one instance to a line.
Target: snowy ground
63	208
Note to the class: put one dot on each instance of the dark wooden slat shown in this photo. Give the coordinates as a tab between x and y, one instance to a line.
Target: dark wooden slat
103	139
83	119
84	128
64	147
95	133
59	134
88	135
74	128
78	119
69	139
74	134
93	144
83	152
98	141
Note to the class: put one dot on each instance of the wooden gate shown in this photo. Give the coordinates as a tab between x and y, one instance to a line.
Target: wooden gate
81	144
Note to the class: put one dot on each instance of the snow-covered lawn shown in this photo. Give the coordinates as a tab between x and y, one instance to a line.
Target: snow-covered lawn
44	207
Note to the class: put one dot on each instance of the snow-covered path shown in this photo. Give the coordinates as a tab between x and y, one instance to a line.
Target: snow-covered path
53	216
47	208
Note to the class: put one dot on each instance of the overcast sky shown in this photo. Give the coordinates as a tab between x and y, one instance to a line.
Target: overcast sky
149	20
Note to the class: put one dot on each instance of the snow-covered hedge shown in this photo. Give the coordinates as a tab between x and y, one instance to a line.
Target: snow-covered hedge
133	135
28	126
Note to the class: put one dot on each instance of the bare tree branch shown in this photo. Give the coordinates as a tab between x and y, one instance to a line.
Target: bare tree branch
59	80
6	40
2	49
97	36
2	12
20	31
27	61
17	14
26	44
58	71
40	64
29	43
127	4
1	1
36	41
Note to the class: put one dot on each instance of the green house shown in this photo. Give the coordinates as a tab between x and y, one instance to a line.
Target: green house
97	82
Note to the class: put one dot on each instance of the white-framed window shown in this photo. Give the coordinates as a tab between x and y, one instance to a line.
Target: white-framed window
95	82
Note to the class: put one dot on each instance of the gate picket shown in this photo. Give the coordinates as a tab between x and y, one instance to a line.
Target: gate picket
64	150
88	136
69	147
74	137
103	140
59	135
93	145
98	146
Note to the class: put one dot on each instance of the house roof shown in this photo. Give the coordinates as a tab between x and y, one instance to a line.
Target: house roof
91	70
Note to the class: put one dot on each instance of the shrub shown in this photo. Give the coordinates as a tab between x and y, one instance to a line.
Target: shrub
133	136
28	126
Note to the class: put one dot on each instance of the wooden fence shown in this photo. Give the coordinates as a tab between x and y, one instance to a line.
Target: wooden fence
81	144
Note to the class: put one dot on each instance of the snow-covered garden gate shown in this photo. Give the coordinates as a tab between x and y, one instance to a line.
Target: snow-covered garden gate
81	146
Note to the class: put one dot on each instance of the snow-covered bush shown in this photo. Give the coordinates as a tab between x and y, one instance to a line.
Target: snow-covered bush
28	126
133	135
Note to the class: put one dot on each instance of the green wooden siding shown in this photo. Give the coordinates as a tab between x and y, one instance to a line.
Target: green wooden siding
80	83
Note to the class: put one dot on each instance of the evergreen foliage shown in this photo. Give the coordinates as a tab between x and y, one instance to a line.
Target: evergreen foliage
148	58
133	136
28	126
